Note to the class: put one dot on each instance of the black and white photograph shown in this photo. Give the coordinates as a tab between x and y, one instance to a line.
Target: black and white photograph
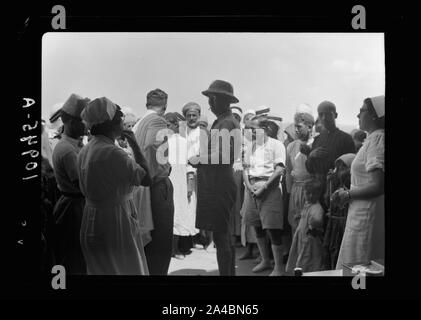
309	201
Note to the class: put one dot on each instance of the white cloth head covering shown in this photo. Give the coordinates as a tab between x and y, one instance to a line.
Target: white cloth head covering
304	108
262	110
347	159
129	117
98	111
191	106
250	111
74	105
378	104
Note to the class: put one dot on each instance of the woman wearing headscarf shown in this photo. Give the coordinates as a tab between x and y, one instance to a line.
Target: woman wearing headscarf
363	239
110	234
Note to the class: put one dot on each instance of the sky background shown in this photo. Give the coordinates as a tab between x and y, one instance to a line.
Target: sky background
278	70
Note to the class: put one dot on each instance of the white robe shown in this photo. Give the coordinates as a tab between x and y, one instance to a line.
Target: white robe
184	218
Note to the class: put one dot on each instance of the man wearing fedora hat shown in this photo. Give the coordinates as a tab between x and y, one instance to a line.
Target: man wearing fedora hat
216	185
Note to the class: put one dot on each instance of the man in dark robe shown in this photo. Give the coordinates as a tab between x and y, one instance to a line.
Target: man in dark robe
216	184
68	210
329	145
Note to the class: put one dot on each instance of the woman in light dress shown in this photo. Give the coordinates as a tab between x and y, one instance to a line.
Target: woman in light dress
110	233
363	239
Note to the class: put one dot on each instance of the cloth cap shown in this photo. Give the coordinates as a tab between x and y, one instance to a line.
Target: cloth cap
74	105
156	98
171	117
304	108
326	106
98	111
191	106
347	159
378	104
306	117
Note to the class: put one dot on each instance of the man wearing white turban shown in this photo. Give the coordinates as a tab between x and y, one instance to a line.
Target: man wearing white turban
192	132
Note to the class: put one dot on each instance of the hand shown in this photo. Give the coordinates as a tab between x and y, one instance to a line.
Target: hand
330	174
320	152
305	149
259	192
254	188
122	143
283	171
129	136
340	197
194	161
314	233
250	188
190	176
237	166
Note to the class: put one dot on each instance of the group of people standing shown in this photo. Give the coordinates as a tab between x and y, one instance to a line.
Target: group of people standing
132	195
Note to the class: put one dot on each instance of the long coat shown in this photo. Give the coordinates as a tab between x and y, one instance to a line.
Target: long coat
216	185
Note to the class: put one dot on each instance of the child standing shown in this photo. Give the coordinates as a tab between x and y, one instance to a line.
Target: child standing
306	249
336	217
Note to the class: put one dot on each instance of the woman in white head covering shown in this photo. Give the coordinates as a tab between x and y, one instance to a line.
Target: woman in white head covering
110	234
363	239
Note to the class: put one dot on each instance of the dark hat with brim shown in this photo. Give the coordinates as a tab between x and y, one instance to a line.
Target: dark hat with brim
220	87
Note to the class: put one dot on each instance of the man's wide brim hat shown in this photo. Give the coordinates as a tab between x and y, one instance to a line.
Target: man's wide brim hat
223	88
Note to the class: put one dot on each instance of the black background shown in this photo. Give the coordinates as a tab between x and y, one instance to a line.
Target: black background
25	281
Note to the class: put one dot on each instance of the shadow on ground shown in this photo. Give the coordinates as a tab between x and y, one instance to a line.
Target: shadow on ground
203	263
194	272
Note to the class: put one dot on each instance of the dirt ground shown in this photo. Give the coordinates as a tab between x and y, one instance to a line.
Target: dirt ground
203	263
